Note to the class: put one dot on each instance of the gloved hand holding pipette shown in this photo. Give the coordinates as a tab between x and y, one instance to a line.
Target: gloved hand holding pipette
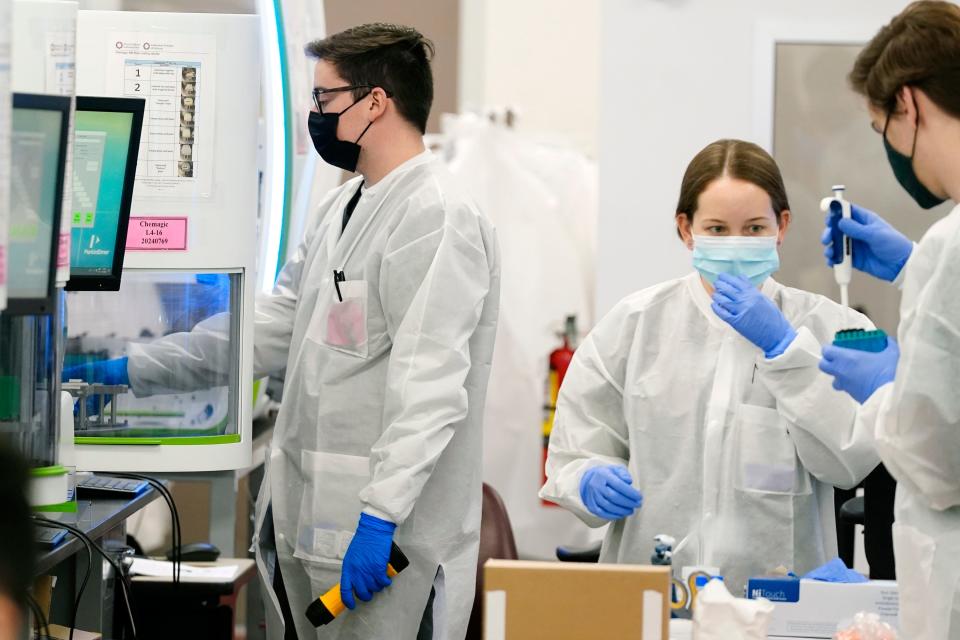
841	249
878	248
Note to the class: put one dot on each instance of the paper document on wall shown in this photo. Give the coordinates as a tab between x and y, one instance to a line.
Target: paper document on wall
176	75
61	62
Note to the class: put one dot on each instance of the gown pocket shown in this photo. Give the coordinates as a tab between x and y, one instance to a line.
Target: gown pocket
330	507
342	322
767	457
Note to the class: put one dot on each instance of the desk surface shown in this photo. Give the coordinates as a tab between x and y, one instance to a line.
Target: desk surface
95	518
190	585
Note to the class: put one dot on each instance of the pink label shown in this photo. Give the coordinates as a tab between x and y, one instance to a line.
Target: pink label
157	234
63	254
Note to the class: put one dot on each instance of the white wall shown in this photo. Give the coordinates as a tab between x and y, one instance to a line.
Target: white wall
676	75
539	57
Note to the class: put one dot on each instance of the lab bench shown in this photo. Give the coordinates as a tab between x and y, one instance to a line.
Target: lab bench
104	521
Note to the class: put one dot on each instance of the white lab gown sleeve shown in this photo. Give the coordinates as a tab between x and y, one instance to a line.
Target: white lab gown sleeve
834	446
918	428
590	428
434	279
198	358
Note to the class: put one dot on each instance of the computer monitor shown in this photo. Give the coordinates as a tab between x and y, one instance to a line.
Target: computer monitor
38	152
106	142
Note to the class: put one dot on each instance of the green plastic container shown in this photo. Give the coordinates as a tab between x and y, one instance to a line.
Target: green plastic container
861	340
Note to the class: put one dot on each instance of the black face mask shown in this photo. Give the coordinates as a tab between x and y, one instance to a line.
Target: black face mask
323	131
902	166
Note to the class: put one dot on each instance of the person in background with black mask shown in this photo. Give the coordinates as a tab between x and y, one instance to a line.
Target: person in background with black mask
387	314
16	544
384	321
910	76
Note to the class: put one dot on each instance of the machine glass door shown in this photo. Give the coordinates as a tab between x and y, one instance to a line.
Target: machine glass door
157	360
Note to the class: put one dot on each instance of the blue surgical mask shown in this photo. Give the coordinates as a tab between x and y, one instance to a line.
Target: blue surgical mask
753	257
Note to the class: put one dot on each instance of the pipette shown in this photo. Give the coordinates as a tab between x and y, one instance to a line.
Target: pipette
839	207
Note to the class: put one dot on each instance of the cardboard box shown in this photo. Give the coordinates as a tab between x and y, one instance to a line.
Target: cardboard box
561	600
813	609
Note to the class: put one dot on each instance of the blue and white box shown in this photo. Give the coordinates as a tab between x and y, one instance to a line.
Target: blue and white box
813	609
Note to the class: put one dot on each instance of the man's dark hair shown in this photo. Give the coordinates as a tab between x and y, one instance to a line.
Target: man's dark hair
16	529
392	57
918	48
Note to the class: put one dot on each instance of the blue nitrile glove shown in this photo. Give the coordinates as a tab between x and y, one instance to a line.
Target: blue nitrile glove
109	372
365	564
835	571
860	373
752	314
608	492
878	248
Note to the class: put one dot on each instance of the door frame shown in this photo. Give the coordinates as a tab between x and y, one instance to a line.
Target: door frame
767	35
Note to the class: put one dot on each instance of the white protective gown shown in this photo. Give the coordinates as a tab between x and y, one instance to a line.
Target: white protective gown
917	419
383	398
735	450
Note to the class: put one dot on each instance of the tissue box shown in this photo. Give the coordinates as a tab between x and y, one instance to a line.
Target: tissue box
813	609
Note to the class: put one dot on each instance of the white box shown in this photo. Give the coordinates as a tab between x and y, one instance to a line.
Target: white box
813	609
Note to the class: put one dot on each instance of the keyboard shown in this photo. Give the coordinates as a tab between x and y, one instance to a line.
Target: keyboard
109	487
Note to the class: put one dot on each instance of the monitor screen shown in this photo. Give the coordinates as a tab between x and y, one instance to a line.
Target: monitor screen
105	146
37	157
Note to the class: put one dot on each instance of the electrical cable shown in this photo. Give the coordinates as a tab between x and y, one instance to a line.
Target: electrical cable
174	514
113	563
35	613
45	522
40	620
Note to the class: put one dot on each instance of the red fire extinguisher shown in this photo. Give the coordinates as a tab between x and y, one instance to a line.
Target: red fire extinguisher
559	363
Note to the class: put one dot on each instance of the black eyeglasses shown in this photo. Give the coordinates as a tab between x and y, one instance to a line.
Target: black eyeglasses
317	93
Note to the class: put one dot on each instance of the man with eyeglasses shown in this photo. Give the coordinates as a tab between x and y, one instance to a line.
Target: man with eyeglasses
384	321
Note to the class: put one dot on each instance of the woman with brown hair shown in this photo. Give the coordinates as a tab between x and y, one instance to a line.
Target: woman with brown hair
910	76
703	393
